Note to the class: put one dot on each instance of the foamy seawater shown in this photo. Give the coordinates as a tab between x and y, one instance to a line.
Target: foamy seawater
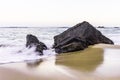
13	40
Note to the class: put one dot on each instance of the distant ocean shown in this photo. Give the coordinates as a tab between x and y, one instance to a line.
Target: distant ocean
12	40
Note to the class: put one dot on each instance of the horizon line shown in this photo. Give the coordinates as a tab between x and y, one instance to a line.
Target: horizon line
53	26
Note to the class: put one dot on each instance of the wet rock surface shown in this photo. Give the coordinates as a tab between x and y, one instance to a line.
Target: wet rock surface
32	41
79	37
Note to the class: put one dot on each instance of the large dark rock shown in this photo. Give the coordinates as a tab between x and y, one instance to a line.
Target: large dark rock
32	41
79	37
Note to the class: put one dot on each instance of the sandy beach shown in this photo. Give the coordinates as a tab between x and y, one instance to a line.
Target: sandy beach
92	63
59	40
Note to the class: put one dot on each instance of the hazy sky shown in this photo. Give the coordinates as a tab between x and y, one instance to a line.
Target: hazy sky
59	12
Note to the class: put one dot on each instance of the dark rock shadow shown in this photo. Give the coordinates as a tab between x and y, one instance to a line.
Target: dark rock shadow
34	63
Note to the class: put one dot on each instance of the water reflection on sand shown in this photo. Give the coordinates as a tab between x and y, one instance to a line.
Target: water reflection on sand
87	60
89	64
111	64
101	63
48	68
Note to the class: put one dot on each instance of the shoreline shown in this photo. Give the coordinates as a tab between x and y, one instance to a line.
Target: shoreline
106	46
79	65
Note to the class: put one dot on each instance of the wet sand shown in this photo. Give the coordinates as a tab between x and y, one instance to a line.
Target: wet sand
98	62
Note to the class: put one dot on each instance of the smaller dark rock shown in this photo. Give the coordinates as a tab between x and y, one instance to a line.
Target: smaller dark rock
101	27
32	41
116	27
